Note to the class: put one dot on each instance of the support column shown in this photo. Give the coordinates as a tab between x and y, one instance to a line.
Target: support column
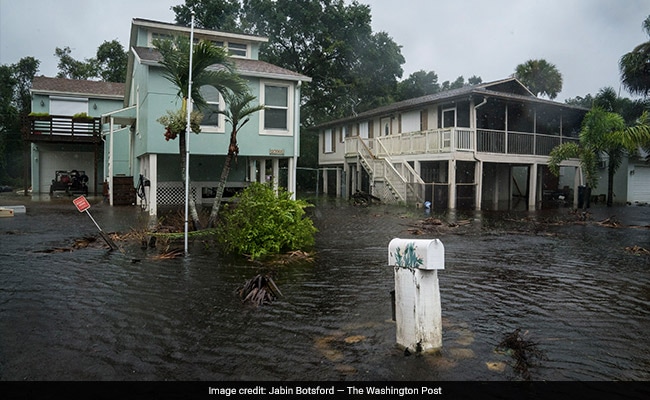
291	178
153	182
346	172
252	170
276	173
451	174
262	168
338	181
576	185
532	187
325	180
478	180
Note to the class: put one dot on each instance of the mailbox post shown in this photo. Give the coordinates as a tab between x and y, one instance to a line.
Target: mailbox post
418	313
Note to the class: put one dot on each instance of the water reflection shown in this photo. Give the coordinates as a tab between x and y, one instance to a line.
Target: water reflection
91	314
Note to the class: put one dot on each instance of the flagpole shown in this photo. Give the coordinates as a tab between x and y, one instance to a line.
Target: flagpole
187	135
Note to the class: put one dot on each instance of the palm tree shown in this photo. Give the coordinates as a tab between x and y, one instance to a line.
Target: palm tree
602	132
210	66
635	66
237	113
540	77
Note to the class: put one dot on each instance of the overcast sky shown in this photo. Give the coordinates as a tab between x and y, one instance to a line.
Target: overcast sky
488	38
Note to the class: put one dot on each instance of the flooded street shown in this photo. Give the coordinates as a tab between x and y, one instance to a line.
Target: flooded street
92	314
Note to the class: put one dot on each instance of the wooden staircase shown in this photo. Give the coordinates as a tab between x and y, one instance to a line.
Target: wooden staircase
388	183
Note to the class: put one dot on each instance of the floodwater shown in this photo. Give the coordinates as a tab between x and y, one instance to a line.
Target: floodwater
93	314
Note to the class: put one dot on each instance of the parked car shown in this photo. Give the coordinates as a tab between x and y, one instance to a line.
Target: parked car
4	188
70	182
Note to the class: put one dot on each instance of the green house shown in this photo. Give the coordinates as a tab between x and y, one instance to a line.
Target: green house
126	156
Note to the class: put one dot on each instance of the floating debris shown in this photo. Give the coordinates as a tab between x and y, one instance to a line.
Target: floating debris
521	350
610	222
169	254
638	250
259	290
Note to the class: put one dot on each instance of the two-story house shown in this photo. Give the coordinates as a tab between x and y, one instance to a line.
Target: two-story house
478	147
64	132
134	146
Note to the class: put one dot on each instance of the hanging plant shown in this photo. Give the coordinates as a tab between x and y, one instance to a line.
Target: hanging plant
175	123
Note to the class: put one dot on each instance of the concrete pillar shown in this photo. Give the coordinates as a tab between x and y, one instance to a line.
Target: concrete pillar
276	173
262	170
478	180
152	160
576	185
451	173
532	188
338	181
418	311
325	180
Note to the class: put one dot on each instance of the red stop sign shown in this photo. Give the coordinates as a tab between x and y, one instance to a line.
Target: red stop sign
81	203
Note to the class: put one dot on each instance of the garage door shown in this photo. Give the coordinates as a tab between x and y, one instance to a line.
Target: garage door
638	189
51	162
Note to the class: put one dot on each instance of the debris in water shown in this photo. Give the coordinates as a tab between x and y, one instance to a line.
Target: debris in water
638	250
167	254
521	350
259	290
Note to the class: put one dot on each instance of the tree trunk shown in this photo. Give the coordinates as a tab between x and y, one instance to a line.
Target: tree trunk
194	215
220	188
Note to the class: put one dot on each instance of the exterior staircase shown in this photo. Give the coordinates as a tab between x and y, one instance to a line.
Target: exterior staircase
391	181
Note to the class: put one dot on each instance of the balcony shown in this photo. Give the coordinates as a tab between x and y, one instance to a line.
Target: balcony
459	139
58	128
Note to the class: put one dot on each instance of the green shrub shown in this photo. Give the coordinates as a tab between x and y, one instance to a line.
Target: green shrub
262	223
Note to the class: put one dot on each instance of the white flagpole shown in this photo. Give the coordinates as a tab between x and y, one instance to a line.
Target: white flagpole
187	135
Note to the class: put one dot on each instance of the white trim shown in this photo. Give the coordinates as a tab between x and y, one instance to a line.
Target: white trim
198	31
290	113
221	128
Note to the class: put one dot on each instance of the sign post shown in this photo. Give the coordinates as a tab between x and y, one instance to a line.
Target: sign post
82	205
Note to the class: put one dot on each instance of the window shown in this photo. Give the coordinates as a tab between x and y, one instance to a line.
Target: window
276	112
237	49
212	121
327	143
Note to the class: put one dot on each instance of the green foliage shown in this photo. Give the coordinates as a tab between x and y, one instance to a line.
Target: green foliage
175	122
540	77
109	64
635	66
262	223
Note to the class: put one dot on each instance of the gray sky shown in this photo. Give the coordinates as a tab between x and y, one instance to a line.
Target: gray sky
488	38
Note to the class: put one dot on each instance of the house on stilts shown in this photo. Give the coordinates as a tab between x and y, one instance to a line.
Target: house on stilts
478	147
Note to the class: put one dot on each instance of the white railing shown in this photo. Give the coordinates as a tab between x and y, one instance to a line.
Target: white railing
460	139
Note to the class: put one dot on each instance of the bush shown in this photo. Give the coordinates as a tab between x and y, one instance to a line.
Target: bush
262	223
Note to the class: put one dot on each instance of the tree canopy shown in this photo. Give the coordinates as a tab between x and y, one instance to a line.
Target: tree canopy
540	77
331	41
635	66
109	64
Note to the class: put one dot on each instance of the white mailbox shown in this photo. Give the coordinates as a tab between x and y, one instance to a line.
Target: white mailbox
416	253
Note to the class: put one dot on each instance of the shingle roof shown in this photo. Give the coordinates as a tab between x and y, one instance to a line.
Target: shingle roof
77	87
244	66
509	88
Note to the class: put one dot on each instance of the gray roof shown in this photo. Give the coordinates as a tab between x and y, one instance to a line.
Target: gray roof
244	66
509	88
43	84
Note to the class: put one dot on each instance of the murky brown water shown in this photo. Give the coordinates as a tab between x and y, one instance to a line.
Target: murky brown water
91	314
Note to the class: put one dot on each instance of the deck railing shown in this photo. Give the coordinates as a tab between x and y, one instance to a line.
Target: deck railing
63	128
460	139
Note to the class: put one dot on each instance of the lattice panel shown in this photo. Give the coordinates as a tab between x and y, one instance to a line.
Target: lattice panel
173	193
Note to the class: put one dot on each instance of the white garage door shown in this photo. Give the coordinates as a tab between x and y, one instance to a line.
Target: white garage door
64	161
638	189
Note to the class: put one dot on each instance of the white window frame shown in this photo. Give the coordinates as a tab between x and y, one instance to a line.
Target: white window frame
328	141
289	108
222	119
